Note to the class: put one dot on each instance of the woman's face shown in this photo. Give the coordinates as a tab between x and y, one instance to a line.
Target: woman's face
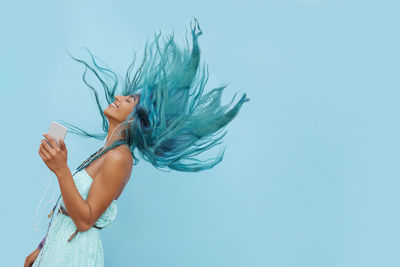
120	109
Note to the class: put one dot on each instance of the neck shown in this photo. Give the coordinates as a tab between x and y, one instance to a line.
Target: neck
113	133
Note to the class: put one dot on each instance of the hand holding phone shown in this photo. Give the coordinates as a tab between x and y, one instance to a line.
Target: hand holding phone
57	131
54	158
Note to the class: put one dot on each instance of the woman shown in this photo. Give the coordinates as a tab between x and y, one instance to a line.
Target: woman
163	114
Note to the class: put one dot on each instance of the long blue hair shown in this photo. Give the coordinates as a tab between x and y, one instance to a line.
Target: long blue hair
174	121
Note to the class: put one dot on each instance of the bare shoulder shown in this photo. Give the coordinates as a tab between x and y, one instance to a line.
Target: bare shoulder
121	152
117	158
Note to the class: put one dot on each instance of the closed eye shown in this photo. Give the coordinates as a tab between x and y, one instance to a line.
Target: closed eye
134	98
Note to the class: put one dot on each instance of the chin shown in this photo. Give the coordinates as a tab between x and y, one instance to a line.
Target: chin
105	112
109	114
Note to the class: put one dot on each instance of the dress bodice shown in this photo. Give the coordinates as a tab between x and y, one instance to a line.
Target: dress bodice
83	181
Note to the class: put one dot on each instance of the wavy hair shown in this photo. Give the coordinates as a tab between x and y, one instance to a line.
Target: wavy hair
174	121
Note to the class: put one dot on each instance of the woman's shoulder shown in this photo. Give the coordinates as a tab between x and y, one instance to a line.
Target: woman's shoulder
117	160
121	154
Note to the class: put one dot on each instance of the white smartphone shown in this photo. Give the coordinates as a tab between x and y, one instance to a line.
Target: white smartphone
57	131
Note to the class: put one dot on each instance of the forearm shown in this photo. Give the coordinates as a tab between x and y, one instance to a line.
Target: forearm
77	208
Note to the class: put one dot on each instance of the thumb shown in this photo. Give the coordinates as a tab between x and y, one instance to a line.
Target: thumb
62	145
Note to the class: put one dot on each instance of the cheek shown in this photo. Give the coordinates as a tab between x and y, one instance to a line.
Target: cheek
125	111
130	109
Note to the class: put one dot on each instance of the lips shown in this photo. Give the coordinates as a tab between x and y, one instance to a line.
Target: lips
115	105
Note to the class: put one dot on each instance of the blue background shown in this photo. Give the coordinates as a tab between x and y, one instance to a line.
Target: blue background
310	175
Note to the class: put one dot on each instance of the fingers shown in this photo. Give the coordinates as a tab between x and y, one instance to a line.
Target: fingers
62	145
52	141
43	154
46	147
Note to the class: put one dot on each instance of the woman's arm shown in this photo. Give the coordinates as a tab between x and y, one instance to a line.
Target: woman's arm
76	206
113	172
115	168
55	157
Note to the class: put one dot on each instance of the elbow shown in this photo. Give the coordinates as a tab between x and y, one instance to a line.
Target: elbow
83	227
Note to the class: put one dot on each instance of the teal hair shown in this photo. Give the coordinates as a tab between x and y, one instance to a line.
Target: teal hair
174	121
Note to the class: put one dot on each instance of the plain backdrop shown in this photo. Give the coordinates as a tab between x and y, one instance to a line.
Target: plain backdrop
310	175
